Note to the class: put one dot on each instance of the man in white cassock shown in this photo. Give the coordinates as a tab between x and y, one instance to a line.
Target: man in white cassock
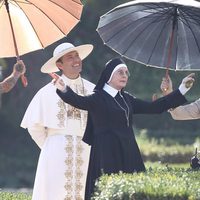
57	128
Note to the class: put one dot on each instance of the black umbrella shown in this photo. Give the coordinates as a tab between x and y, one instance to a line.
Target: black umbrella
164	34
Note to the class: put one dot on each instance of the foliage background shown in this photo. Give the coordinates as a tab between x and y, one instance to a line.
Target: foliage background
19	154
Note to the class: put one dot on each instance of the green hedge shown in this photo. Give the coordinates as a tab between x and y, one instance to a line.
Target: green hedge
14	196
154	184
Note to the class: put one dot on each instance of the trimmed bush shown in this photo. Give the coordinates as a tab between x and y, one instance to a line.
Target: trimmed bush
13	196
154	184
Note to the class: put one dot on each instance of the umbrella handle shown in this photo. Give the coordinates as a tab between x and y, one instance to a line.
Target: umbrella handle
24	80
155	96
167	77
23	77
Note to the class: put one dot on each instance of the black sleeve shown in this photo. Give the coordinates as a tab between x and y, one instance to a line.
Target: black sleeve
88	136
78	101
160	105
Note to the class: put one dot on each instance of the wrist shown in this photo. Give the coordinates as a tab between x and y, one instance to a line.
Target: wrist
64	90
167	91
171	109
16	74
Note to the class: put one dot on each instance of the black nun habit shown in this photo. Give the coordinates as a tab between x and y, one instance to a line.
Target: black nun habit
109	130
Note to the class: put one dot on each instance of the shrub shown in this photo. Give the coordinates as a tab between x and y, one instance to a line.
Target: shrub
154	184
13	196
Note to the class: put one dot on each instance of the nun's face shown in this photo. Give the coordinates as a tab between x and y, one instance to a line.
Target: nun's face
119	78
70	64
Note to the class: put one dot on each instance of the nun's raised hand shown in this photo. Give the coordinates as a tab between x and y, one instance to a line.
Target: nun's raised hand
187	83
189	80
59	83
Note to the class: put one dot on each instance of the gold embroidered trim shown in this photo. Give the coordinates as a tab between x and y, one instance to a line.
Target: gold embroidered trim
74	156
74	147
79	173
61	113
72	112
69	163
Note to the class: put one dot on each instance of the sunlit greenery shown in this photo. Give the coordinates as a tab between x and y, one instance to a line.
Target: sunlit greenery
19	154
14	196
159	183
165	150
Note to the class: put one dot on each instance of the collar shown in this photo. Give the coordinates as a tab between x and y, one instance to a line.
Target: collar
110	90
68	80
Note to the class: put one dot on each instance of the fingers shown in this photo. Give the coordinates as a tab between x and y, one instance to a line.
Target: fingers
20	67
166	85
20	62
192	75
58	81
189	80
54	75
187	83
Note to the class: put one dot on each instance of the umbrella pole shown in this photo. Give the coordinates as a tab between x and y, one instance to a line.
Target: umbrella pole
169	57
23	77
154	97
170	53
171	42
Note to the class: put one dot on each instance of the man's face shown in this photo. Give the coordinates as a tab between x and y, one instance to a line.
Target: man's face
70	64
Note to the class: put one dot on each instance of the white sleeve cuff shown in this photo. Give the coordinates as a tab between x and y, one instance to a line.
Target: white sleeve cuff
183	90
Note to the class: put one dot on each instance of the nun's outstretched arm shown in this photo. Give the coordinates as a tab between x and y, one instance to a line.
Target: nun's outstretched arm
160	105
70	97
78	101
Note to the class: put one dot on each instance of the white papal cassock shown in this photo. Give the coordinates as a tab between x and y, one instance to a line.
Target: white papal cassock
58	128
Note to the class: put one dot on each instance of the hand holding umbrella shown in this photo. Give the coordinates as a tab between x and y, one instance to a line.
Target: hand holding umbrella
19	66
166	85
157	33
20	24
189	80
187	83
20	69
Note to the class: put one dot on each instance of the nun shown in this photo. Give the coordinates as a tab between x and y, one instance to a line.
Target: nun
109	128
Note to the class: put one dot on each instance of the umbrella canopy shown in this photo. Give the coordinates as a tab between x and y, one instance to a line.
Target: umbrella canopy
29	25
160	33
